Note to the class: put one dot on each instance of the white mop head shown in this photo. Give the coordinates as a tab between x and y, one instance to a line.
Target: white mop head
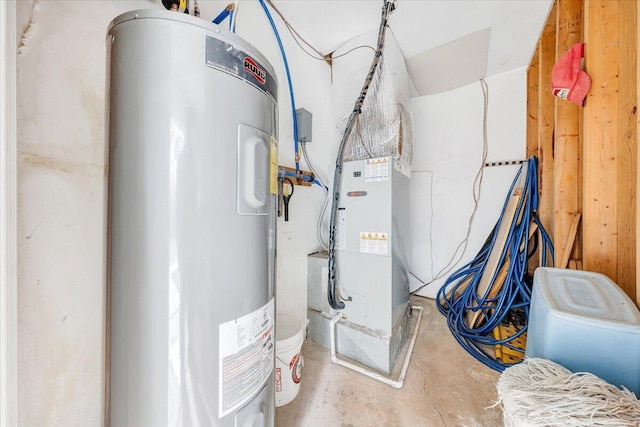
539	392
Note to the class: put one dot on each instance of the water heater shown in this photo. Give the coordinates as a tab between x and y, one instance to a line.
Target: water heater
192	184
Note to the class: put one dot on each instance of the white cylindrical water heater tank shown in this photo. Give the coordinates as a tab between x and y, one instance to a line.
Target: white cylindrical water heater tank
192	186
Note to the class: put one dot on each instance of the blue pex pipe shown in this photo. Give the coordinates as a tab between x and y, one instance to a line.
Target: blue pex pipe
305	177
286	68
221	16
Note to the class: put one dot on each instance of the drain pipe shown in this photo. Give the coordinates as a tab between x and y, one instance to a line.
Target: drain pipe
368	372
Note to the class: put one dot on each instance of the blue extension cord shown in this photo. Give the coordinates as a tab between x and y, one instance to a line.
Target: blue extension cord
515	292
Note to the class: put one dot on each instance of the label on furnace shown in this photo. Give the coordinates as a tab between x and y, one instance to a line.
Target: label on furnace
374	243
246	357
376	170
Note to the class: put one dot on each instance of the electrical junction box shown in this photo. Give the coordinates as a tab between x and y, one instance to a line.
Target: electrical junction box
304	120
371	260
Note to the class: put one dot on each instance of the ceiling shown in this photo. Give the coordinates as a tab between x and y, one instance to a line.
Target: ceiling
421	25
449	33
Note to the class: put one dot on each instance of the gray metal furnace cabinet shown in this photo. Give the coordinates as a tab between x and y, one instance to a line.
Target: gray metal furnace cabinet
372	259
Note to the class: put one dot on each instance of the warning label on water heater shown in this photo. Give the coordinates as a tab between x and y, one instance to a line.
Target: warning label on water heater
246	357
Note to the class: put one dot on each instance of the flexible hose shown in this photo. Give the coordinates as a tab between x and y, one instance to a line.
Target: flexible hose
288	73
387	7
459	294
311	168
326	196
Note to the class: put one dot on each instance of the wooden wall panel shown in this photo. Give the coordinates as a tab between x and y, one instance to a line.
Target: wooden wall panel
546	102
566	156
589	155
637	39
627	146
533	78
600	228
532	105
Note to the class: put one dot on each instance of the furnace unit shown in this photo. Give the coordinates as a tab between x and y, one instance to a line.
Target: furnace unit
372	259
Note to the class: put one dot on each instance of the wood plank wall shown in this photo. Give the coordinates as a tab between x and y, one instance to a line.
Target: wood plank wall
637	163
567	152
588	154
546	102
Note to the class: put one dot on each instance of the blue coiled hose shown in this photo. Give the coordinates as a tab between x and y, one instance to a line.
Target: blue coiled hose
459	294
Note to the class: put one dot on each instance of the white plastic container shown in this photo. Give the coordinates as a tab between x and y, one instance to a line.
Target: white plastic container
289	362
585	322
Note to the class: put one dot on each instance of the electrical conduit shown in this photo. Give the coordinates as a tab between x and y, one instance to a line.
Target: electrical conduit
387	7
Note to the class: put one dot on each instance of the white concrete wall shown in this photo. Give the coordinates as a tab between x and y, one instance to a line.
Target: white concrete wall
8	256
448	154
60	212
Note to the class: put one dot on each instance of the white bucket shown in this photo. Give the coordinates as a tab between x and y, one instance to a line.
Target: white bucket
289	360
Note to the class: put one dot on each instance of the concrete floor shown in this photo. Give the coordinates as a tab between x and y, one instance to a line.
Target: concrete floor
444	386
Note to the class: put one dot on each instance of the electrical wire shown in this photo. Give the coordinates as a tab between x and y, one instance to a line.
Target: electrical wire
387	7
295	39
328	58
477	189
477	186
234	16
459	294
288	73
318	180
333	58
321	183
296	35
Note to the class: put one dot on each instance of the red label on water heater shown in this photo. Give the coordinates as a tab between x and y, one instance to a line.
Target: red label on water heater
255	70
232	60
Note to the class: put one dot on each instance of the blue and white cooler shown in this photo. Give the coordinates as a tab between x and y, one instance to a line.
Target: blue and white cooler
585	322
